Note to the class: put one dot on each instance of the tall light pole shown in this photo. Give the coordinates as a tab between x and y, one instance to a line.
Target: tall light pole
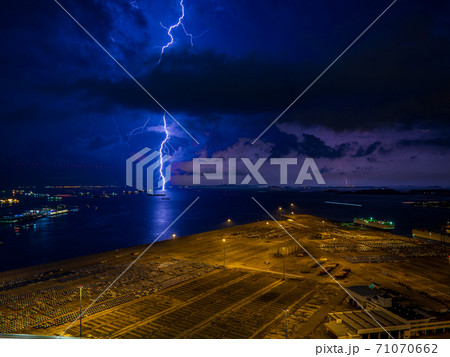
223	240
28	320
280	212
285	322
284	263
81	326
229	223
334	250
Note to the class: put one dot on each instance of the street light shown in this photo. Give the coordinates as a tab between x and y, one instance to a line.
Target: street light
334	250
285	321
174	235
284	264
223	240
81	326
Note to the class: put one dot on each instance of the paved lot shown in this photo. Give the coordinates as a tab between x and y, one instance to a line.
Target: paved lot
180	288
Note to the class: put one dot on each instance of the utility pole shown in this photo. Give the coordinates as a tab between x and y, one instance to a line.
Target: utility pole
285	322
334	250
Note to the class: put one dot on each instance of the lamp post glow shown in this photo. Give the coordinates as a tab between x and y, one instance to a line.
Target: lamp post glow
334	250
223	240
174	235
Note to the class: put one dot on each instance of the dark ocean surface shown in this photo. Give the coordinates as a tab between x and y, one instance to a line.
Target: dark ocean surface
104	224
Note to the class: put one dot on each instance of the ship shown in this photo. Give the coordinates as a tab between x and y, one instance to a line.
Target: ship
373	223
33	215
436	237
22	217
50	212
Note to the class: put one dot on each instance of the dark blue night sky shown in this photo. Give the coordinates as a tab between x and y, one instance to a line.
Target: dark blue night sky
379	116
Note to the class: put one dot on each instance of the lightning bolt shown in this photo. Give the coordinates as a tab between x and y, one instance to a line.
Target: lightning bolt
178	24
137	131
140	130
164	147
161	148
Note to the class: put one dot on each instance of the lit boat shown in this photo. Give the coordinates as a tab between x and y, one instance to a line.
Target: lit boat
373	223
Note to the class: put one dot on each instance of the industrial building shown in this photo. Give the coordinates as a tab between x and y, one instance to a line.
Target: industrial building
358	324
379	318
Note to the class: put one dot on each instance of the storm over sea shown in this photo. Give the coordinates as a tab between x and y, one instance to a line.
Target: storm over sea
104	224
